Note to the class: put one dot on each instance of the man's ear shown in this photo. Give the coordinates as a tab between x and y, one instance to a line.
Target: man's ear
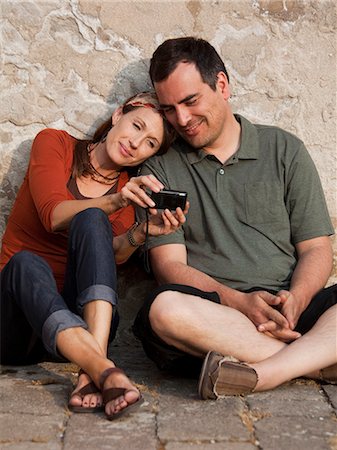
223	85
117	114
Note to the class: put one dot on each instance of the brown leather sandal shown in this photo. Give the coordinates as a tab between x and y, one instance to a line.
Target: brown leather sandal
224	375
113	393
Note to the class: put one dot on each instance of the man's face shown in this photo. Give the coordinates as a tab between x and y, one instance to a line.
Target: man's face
196	111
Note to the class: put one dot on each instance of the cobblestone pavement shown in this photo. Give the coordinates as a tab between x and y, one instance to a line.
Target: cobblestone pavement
34	416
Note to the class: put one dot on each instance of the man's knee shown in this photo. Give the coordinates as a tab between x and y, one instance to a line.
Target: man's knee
167	311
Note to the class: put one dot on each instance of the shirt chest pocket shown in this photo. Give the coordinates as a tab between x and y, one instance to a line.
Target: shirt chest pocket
264	202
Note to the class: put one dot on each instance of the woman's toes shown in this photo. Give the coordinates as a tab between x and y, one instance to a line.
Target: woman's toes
111	407
75	400
88	401
131	396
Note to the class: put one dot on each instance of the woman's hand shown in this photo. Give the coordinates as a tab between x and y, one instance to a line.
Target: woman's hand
166	222
134	191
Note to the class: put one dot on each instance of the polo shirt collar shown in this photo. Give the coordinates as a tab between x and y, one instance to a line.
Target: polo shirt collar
249	147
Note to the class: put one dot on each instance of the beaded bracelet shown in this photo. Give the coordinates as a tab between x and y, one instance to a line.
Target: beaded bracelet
130	237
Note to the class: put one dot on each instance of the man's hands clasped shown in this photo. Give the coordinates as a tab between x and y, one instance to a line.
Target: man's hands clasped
274	315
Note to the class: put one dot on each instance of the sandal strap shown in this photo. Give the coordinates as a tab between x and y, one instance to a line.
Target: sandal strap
106	373
112	393
89	388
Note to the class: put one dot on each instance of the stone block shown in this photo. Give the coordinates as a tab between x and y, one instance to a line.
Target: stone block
185	419
300	398
94	431
40	429
331	392
212	445
300	433
23	397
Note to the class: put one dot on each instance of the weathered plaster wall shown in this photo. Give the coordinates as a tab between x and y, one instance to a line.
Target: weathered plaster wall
66	63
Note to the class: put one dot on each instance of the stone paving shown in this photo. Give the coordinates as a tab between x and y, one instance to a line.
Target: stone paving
33	413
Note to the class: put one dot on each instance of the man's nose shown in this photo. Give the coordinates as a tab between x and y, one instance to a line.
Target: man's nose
183	116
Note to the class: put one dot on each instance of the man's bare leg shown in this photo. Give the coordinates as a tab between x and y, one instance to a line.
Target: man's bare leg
196	326
81	348
313	351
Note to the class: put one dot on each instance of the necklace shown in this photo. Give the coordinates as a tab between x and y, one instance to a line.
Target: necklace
96	175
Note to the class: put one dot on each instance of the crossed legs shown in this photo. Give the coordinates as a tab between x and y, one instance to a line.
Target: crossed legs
196	326
90	287
32	309
80	346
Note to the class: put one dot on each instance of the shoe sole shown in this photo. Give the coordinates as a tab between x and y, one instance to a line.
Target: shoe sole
204	379
85	410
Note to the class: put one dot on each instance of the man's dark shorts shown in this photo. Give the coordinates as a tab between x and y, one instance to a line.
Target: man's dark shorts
169	358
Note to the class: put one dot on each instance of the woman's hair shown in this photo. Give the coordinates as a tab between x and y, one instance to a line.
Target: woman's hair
187	50
81	159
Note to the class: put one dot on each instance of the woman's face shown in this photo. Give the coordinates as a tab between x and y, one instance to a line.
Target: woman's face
135	136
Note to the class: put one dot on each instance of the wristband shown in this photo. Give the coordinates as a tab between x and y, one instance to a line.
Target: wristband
130	237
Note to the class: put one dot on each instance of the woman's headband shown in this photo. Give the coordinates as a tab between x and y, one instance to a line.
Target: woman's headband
145	99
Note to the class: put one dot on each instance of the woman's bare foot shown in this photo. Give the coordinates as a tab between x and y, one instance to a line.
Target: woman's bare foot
90	400
117	379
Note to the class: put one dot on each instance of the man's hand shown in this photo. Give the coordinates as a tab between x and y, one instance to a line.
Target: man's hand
265	310
291	312
291	308
167	221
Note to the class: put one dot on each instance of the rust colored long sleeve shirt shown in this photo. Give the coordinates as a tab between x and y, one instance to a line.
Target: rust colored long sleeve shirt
43	188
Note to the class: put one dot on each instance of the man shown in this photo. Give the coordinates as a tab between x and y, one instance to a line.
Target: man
248	268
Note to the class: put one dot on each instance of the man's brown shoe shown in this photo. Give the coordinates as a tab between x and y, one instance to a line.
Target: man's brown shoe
329	374
224	375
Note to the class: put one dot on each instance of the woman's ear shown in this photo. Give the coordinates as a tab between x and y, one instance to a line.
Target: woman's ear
117	114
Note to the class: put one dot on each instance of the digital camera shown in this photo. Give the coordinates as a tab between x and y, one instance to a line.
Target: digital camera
167	199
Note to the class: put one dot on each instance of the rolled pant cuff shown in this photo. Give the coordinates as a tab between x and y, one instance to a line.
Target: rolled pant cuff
58	321
97	292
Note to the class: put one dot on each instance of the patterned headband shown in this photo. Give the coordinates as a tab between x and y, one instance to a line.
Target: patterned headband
146	100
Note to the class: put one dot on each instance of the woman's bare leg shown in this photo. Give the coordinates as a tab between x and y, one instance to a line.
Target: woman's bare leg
98	315
80	347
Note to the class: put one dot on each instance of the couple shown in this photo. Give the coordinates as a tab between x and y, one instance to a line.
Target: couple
241	299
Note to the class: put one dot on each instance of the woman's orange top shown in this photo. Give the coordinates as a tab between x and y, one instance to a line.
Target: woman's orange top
44	187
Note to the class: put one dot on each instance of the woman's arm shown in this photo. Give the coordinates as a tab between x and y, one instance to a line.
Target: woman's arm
66	210
159	224
131	192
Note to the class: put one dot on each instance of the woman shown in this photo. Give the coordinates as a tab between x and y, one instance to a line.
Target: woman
72	220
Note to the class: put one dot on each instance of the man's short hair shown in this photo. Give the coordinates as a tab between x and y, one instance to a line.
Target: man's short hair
189	50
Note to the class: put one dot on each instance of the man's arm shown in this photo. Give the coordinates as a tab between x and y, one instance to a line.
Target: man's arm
310	276
169	264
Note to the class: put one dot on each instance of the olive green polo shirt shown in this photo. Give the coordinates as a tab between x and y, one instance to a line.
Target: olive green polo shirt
246	215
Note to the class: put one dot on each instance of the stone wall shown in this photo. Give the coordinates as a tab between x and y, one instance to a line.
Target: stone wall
67	63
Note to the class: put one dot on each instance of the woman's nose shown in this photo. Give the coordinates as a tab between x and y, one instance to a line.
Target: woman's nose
135	141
